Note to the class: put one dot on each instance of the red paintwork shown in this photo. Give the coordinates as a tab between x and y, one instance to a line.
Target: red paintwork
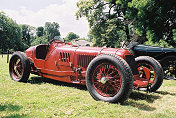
63	61
145	72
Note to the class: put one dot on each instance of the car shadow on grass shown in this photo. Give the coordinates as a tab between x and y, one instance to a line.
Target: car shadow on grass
140	95
137	96
41	80
141	106
166	93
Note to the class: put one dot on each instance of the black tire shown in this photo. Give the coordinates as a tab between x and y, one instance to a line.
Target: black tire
116	66
169	67
151	63
19	67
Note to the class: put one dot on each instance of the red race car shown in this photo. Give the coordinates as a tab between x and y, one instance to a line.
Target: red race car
110	74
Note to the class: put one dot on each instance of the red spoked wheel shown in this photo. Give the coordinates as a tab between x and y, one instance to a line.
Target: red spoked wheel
109	78
106	80
150	69
19	67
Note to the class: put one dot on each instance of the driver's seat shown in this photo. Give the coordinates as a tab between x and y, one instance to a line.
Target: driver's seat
41	52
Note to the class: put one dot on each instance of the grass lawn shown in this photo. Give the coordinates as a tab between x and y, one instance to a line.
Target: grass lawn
41	97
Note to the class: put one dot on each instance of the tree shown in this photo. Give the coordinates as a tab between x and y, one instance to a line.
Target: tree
70	36
40	40
155	19
40	31
46	33
152	20
90	38
52	30
10	34
106	20
27	33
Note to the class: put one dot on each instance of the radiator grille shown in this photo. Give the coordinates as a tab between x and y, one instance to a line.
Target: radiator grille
84	60
131	62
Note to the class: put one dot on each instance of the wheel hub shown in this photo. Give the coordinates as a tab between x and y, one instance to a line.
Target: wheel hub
103	80
171	68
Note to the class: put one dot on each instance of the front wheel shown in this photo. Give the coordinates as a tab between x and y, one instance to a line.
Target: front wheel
150	69
109	78
19	67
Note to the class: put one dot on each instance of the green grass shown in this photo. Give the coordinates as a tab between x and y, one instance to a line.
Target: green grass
42	97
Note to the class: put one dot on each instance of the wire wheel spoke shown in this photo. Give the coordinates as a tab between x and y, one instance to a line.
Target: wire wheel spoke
18	73
17	68
116	83
114	87
17	62
106	80
98	86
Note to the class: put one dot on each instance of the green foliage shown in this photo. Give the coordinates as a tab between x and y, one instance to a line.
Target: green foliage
70	36
149	19
43	34
46	33
174	33
40	40
27	34
52	30
10	34
157	17
111	1
107	34
90	37
161	43
93	10
21	37
107	21
40	31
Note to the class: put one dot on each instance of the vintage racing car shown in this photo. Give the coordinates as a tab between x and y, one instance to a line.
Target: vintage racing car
110	74
166	57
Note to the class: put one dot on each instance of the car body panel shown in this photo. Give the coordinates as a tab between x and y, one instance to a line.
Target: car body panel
153	51
63	61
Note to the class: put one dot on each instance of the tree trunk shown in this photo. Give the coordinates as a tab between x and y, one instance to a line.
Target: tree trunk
127	33
2	52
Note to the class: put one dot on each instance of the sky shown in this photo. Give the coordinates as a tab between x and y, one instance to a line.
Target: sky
37	12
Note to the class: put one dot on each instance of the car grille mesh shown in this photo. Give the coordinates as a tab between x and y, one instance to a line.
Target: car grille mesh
84	60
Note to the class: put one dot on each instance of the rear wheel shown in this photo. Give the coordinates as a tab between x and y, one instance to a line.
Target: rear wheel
109	78
19	67
150	69
169	67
